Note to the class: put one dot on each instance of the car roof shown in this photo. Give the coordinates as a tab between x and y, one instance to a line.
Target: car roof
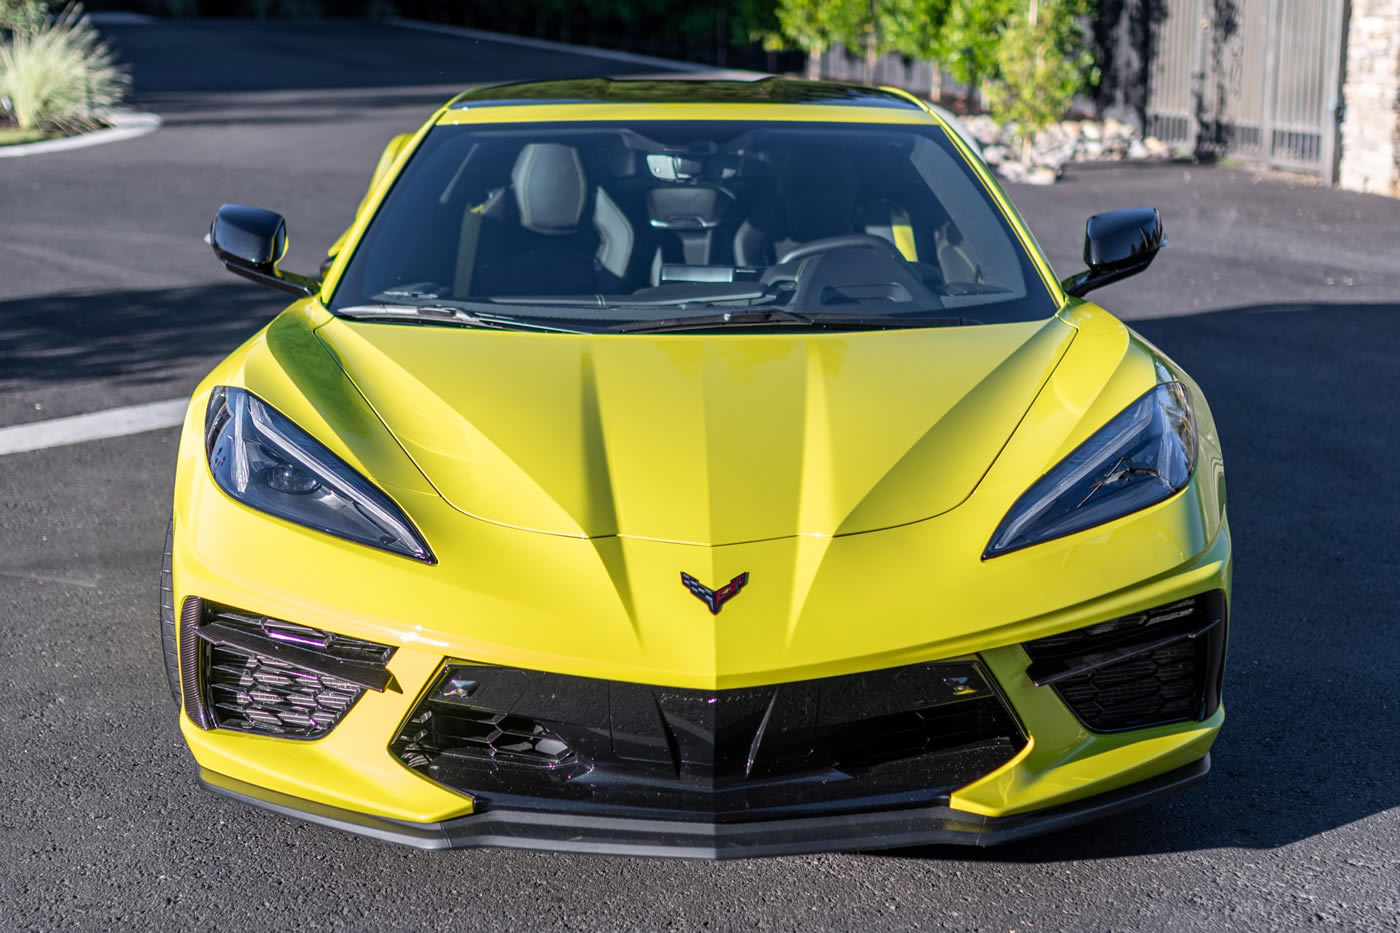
770	90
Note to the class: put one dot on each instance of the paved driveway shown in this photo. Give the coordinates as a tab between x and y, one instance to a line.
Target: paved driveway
1280	298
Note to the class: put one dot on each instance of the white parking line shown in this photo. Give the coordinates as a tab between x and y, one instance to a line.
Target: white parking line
94	426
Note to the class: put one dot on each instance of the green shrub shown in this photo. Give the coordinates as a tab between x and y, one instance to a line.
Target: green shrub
21	17
1041	70
60	75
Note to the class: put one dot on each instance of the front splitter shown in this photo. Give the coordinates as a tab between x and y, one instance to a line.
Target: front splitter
579	832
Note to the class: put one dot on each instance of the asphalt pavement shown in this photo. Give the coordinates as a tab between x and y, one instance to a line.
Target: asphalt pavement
1282	299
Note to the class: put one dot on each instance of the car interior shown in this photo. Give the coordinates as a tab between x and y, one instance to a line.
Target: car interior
692	214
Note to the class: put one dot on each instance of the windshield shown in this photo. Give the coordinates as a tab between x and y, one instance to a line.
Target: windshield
603	226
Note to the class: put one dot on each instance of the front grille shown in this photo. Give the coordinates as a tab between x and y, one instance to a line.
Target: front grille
482	734
535	739
270	677
1153	668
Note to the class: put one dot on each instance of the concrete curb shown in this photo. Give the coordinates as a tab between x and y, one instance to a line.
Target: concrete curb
119	18
126	124
549	45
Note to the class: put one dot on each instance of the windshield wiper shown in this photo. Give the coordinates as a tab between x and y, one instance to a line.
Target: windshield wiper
451	316
770	317
448	316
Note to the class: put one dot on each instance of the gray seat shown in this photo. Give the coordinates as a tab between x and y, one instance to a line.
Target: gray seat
551	231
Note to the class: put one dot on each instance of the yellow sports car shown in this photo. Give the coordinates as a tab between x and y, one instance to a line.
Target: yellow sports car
695	468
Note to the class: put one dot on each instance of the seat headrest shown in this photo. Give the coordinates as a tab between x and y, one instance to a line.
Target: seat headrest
550	187
819	196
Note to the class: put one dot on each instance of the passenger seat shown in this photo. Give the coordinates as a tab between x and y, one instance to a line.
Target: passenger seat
550	232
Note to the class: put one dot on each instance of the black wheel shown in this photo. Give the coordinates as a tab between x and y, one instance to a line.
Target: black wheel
168	645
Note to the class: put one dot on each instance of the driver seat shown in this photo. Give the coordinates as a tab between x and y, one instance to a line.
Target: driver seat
816	199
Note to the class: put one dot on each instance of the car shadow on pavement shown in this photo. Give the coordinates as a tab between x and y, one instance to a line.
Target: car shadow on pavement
1304	396
135	336
261	109
231	56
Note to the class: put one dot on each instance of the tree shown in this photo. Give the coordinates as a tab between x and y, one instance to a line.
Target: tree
757	21
912	28
1041	63
968	39
879	27
814	25
874	27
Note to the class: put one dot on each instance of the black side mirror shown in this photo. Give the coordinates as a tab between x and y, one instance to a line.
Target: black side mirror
1117	244
250	242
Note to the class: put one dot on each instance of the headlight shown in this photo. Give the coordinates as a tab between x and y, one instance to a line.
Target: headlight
259	457
1145	454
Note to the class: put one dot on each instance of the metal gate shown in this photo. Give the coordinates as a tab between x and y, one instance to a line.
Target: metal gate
1255	79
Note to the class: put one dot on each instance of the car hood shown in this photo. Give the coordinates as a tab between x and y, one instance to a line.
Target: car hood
702	439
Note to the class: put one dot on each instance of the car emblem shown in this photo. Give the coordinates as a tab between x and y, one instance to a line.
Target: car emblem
715	599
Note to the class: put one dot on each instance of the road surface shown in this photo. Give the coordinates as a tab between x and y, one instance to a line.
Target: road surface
1282	299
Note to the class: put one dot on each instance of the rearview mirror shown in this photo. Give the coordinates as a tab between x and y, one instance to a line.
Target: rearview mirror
250	242
1117	244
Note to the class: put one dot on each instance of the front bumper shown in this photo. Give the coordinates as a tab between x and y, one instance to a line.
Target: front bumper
354	769
565	832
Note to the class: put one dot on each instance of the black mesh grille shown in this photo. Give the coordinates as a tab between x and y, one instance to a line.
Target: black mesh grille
536	739
484	735
1153	668
259	674
257	694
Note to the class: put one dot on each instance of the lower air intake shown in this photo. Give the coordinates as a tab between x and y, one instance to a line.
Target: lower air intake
534	739
270	677
253	693
1154	668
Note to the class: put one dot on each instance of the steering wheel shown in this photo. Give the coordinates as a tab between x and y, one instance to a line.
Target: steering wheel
843	241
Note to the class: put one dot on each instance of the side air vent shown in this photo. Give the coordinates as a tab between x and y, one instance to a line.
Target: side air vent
262	675
1150	669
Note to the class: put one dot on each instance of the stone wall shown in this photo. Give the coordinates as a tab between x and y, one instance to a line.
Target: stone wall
1370	158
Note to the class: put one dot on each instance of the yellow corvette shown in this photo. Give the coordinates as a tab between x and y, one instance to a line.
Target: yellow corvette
695	468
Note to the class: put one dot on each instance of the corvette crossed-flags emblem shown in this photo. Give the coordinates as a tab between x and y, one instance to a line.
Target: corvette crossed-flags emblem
715	599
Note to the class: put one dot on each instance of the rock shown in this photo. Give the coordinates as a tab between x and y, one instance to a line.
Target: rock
1057	157
995	154
1112	127
1058	145
1053	147
1012	171
983	128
